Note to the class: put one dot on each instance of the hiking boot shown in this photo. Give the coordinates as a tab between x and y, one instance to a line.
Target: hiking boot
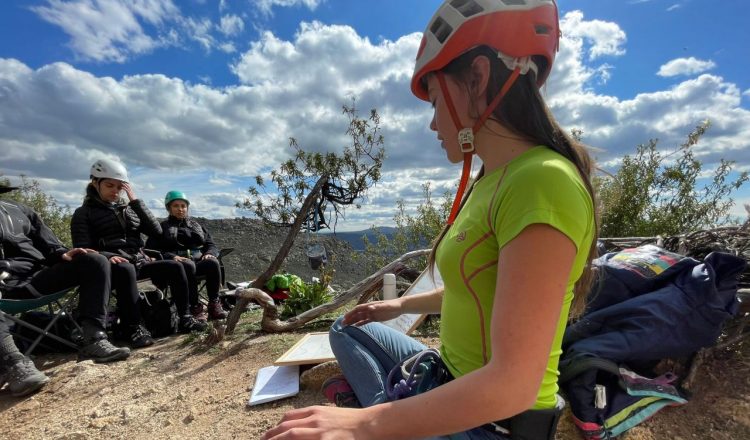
199	312
188	324
338	391
101	350
215	311
140	337
23	378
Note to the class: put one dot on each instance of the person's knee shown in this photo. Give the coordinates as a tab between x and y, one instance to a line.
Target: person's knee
212	264
337	329
124	270
188	266
92	261
176	268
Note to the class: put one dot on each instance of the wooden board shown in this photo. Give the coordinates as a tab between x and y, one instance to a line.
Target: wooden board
313	348
407	323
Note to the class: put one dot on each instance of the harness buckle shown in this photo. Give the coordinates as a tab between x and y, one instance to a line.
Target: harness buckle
466	140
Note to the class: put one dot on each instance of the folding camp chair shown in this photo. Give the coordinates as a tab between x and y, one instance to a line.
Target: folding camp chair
12	307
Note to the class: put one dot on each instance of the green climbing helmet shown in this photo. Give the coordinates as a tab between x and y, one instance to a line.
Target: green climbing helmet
175	195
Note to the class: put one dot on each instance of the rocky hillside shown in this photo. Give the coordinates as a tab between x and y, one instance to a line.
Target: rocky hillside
255	245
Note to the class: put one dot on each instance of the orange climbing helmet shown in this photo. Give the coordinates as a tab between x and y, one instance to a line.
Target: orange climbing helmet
524	32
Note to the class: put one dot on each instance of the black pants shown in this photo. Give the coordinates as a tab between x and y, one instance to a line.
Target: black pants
91	272
211	269
162	273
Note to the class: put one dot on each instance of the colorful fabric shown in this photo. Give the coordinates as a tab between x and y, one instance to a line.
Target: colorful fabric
538	186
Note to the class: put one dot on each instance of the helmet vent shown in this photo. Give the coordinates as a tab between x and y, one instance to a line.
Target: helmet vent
542	29
467	8
514	2
441	29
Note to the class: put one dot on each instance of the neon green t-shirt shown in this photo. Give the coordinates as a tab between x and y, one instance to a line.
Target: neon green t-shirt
538	186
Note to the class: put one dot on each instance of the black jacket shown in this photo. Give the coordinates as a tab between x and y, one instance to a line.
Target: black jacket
183	237
112	229
26	243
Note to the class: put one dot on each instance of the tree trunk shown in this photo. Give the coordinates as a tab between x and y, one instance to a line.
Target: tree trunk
364	290
242	302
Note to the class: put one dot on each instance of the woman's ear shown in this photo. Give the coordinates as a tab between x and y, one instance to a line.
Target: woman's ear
480	75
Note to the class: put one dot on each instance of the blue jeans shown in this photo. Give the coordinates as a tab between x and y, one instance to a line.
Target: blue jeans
367	354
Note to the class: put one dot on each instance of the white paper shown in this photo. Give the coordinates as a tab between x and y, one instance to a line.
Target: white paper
274	383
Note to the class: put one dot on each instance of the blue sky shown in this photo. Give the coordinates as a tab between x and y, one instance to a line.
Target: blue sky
201	95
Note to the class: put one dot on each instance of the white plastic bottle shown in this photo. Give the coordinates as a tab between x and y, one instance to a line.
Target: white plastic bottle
389	286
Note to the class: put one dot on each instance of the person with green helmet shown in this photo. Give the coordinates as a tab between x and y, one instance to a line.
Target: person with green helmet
185	240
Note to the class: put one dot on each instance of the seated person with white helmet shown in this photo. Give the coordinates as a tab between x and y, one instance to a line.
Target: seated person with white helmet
113	226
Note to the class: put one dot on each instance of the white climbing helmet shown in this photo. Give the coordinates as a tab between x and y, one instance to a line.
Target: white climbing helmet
109	169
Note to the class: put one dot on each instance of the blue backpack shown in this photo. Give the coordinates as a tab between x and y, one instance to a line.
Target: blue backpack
651	304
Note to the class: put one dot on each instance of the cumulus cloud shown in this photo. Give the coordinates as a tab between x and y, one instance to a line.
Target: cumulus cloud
110	30
231	25
685	66
116	31
604	38
266	6
56	120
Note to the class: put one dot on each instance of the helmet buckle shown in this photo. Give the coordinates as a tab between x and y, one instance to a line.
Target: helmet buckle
466	140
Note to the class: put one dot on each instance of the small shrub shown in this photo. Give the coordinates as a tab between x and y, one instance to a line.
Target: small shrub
306	296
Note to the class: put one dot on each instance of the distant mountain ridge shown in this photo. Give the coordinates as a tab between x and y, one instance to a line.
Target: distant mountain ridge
355	238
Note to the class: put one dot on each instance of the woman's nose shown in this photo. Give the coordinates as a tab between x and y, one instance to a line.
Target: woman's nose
433	125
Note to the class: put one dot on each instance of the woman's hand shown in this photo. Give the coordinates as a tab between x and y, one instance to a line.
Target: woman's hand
117	259
179	258
208	257
67	256
377	311
129	191
322	422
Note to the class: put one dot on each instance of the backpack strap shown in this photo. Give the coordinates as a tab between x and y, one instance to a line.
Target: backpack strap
569	369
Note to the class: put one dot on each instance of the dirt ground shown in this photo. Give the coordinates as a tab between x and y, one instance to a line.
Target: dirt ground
182	388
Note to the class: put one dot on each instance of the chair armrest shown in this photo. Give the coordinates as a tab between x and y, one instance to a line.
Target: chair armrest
157	255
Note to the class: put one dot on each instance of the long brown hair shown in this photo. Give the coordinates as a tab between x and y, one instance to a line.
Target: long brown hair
523	112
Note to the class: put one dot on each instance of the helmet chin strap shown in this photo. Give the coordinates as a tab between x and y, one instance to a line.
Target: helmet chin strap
466	135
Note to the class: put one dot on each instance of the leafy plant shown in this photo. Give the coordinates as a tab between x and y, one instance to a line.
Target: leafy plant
306	296
656	193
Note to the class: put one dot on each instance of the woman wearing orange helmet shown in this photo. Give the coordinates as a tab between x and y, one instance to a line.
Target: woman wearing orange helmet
516	248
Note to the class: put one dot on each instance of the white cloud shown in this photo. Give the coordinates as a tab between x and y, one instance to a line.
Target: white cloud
231	25
674	7
605	38
199	30
57	119
266	6
685	66
116	31
110	30
746	93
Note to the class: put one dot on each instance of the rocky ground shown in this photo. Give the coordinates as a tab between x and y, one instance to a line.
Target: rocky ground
183	388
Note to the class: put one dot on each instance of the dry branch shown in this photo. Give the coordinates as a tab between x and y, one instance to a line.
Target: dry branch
234	315
271	321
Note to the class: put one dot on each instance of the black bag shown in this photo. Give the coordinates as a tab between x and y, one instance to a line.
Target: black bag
159	314
62	328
